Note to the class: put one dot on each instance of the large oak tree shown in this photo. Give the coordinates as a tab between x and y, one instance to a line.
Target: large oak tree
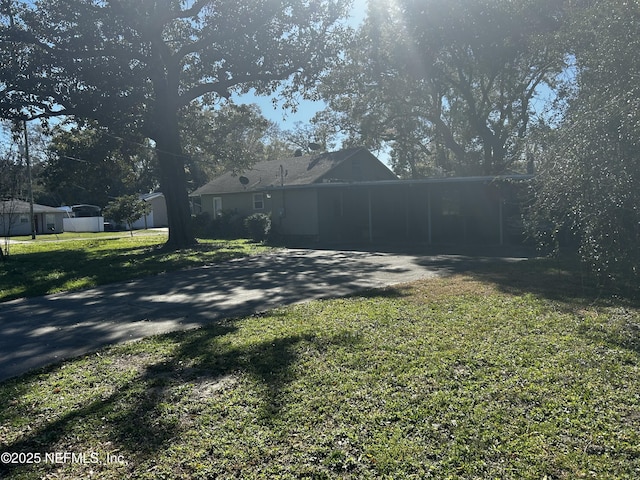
135	65
447	82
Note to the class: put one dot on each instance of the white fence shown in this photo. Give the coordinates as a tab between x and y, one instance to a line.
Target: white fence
84	224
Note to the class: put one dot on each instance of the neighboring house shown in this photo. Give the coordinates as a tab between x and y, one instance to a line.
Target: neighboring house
289	189
14	218
157	217
350	196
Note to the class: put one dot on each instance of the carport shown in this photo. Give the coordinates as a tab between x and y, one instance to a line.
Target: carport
470	210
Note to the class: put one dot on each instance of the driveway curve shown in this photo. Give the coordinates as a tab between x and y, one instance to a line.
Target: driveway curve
36	332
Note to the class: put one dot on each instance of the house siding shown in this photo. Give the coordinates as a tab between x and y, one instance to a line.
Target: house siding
235	203
452	211
14	226
159	208
295	212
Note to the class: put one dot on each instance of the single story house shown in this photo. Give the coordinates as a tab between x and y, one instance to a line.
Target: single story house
287	188
350	196
14	218
157	216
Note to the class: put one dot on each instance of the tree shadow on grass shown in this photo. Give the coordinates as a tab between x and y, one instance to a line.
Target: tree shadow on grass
569	285
135	419
563	280
40	273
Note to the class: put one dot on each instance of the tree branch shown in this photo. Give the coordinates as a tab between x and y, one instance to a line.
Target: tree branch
221	88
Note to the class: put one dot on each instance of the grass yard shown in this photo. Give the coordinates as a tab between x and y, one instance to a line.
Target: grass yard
76	261
508	373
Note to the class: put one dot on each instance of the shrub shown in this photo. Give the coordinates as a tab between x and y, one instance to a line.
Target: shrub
203	225
228	224
258	226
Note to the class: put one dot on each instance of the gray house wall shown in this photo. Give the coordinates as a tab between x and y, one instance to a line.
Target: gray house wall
18	223
159	208
437	211
295	211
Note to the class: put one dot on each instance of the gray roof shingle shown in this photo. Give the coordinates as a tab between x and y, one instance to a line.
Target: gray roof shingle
304	170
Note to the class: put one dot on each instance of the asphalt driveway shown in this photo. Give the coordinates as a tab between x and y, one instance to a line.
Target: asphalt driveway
40	331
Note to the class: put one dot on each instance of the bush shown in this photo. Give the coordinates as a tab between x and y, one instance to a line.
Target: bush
229	225
203	225
258	226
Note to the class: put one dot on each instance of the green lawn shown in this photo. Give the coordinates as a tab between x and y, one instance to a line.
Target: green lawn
76	261
510	373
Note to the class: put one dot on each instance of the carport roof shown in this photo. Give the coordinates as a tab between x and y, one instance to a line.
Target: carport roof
413	182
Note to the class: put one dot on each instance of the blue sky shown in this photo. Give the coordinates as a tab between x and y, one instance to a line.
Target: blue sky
287	119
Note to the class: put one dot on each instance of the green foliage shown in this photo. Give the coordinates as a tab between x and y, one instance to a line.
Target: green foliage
126	209
448	84
232	137
89	165
135	66
590	182
445	378
258	226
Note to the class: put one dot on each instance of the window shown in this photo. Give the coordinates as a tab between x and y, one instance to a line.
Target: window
50	220
258	201
24	219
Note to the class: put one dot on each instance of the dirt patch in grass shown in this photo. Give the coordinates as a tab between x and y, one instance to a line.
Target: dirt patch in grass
207	388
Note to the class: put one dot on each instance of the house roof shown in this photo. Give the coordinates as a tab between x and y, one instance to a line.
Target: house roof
292	171
21	207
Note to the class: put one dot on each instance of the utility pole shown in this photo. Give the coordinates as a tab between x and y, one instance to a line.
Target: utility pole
8	6
29	180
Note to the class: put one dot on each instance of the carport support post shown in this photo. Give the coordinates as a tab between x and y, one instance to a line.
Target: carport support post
429	216
407	226
370	217
501	219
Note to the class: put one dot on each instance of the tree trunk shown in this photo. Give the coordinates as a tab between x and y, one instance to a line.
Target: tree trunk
173	181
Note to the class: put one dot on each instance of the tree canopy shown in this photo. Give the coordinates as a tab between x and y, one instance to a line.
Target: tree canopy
589	186
86	164
134	65
448	83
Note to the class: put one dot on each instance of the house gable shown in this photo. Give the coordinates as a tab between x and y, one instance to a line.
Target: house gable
359	166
